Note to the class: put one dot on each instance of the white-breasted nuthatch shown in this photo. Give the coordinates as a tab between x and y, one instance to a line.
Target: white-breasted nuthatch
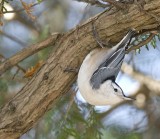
98	72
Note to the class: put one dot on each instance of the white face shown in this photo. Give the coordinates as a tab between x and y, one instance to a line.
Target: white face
117	90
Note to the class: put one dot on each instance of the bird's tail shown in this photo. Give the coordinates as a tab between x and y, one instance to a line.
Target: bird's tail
126	39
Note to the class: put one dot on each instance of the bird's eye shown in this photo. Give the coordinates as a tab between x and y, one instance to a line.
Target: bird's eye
126	48
115	89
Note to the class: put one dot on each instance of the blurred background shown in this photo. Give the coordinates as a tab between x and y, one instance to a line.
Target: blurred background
72	117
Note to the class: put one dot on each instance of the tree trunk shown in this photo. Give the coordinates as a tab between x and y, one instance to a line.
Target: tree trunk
51	82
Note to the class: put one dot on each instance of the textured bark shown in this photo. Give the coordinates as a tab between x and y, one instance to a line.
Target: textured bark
51	82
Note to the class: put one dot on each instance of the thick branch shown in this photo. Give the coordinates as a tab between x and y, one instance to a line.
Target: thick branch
51	82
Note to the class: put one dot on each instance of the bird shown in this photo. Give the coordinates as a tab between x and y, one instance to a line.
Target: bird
98	72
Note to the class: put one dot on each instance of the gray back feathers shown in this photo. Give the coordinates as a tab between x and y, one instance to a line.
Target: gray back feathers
110	68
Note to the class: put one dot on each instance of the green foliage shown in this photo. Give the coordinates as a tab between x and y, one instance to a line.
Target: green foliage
39	1
143	38
79	127
158	36
147	47
65	121
118	132
72	123
3	90
3	86
153	42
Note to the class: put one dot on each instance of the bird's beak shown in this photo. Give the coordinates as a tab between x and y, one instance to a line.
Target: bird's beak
129	98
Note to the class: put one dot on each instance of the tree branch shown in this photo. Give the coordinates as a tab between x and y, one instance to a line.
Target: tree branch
142	43
13	38
26	52
22	9
51	82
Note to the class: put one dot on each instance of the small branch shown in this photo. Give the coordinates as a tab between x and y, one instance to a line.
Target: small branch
96	36
68	109
13	38
141	43
26	52
19	67
15	74
20	10
149	30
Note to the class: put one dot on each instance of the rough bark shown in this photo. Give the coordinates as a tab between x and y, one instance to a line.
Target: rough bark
51	82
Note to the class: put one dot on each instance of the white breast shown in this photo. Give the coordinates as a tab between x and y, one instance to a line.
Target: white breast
103	96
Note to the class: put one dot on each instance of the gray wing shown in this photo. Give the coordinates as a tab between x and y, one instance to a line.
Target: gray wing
109	69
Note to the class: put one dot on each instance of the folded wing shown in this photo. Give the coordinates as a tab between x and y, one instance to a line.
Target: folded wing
109	69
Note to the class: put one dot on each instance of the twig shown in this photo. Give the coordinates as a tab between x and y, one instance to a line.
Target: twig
19	67
22	44
96	36
20	10
141	43
22	69
62	123
149	30
15	74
